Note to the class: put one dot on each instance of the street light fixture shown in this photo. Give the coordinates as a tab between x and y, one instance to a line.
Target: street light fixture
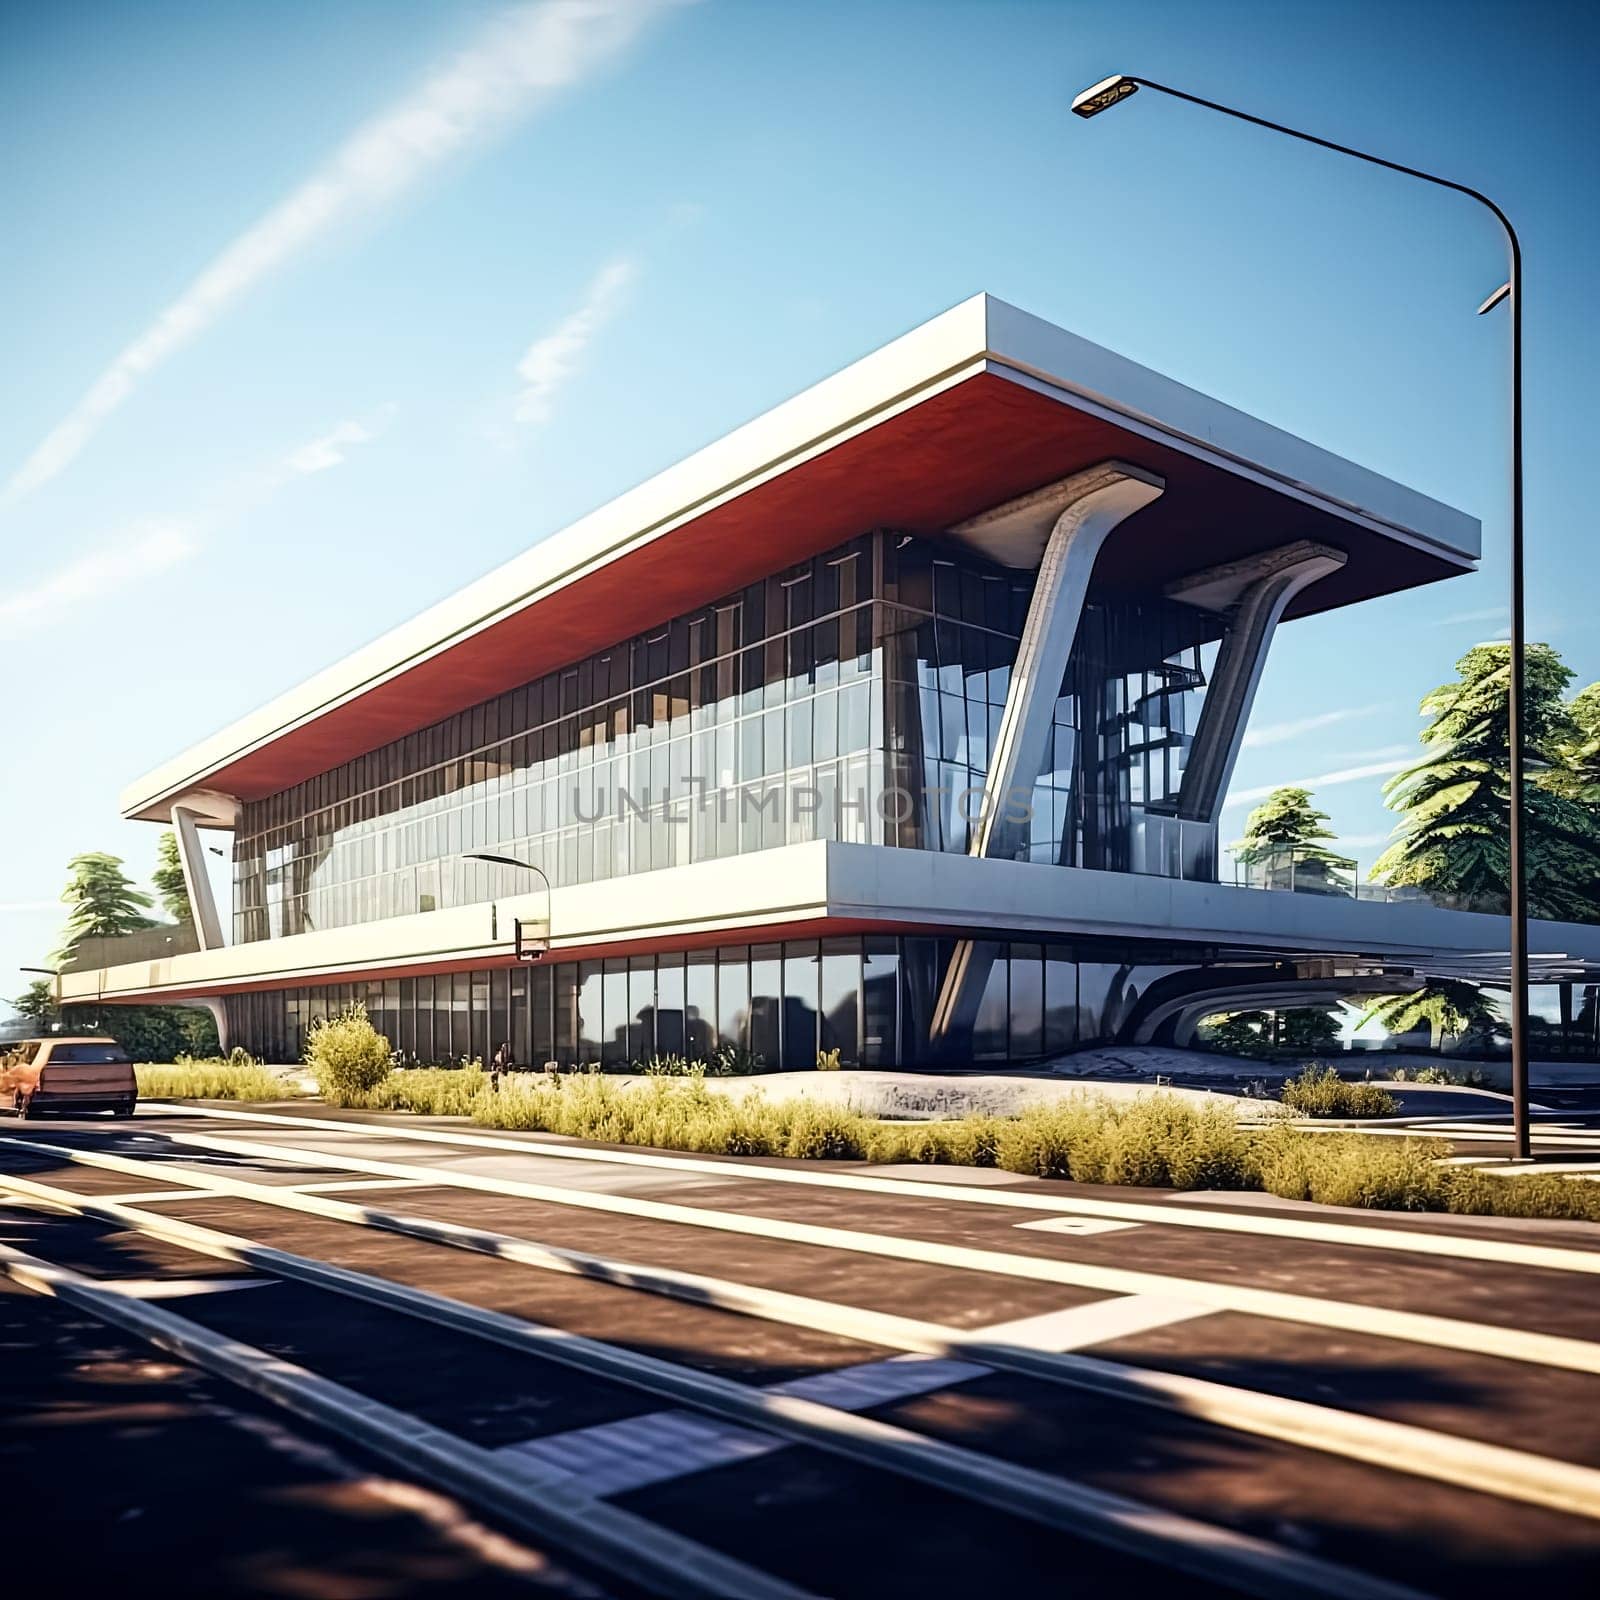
1109	92
527	866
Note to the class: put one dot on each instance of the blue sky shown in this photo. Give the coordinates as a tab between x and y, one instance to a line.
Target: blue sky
315	312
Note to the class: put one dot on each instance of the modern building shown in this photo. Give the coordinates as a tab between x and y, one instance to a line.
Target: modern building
896	722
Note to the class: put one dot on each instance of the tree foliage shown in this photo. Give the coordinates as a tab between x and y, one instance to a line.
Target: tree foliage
1263	1034
37	1002
171	890
1445	1006
101	902
1285	818
149	1033
1578	776
1452	837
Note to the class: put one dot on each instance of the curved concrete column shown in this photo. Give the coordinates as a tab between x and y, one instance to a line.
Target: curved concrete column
1265	587
1091	503
1079	513
202	903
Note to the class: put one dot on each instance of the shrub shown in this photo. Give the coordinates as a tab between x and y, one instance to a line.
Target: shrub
670	1065
347	1056
735	1061
828	1060
1472	1078
1321	1092
240	1077
428	1091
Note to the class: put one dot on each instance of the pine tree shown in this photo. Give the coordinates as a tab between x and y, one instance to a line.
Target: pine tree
1578	776
1452	837
171	890
37	1002
1283	834
102	902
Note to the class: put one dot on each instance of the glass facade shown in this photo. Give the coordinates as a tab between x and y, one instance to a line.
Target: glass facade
868	998
854	697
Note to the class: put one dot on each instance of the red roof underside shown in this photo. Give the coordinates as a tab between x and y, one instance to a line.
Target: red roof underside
968	448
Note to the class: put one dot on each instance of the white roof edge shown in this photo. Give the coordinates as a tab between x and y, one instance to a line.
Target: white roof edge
972	335
1066	362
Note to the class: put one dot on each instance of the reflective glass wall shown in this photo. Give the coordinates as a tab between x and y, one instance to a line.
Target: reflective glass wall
871	999
855	697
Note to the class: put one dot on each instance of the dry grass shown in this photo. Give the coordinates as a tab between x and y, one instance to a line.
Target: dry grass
215	1079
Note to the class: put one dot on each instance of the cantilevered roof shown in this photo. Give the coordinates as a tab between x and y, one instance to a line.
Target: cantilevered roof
981	405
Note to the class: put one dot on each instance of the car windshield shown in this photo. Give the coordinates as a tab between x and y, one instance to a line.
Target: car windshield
86	1055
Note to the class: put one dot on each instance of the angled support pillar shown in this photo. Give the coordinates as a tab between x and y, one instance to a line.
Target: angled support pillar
202	903
1256	593
1091	504
1071	519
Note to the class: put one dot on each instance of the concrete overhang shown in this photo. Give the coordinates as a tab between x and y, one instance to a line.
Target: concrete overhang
980	406
811	890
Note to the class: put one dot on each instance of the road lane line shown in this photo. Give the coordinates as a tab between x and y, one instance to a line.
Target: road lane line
1031	1346
1254	1566
551	1508
1449	1333
1382	1236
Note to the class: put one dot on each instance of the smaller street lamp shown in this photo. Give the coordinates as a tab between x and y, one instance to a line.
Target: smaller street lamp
493	860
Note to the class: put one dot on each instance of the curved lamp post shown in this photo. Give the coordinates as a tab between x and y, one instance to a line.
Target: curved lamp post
1109	92
527	866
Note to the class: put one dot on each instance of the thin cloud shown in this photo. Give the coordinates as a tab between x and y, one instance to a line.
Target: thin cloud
1462	619
1282	732
16	907
1323	780
512	68
152	545
331	448
554	358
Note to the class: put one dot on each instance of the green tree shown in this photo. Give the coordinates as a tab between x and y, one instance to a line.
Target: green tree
1283	835
1451	840
37	1002
171	890
1285	817
101	900
1445	1006
1262	1034
1578	776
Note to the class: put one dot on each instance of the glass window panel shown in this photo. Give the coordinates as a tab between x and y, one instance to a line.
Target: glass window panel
670	1022
700	1005
641	1029
880	1000
800	985
1027	1001
766	1001
733	996
989	1027
840	1006
591	1013
614	1003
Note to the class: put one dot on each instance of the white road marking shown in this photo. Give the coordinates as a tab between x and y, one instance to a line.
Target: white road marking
615	1457
1376	1236
181	1288
1247	1563
1447	1458
1099	1322
1080	1227
1516	1344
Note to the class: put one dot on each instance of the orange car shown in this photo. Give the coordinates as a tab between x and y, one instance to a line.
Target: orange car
85	1074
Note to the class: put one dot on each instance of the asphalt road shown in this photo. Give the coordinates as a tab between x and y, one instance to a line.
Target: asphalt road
1465	1330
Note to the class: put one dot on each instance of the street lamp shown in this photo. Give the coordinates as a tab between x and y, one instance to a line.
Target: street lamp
1117	88
527	866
